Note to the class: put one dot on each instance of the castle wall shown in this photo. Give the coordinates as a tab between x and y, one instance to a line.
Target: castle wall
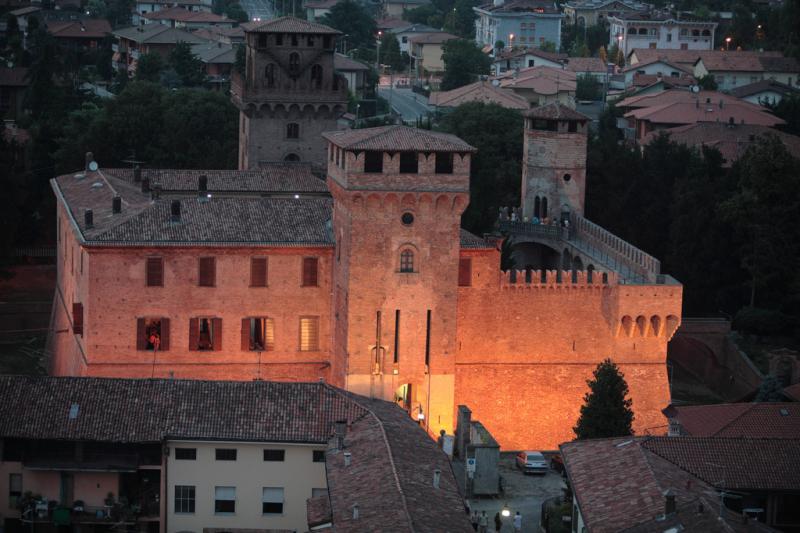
527	349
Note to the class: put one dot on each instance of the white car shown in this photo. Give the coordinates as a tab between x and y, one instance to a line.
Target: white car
532	462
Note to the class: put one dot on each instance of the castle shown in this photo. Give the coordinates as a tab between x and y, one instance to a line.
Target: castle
366	281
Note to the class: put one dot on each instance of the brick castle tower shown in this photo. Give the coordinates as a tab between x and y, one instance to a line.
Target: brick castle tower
554	162
290	93
398	198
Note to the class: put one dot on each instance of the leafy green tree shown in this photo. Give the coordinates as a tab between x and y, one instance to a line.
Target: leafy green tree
606	411
187	66
149	67
461	20
352	19
14	185
494	174
97	8
427	14
789	110
236	12
770	390
707	83
463	63
588	88
390	52
548	46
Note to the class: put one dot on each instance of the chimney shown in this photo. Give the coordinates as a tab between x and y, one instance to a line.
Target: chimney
88	218
137	174
145	184
116	205
669	502
175	211
202	183
89	159
347	458
437	475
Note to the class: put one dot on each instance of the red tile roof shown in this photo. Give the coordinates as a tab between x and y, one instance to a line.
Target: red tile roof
523	6
397	139
438	37
759	420
480	91
541	79
764	86
289	25
184	15
79	29
519	52
556	111
690	113
586	64
343	63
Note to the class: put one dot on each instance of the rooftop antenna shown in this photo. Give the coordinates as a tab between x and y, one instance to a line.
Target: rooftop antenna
132	161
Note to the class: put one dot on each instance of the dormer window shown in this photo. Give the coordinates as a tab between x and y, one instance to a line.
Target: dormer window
373	162
409	163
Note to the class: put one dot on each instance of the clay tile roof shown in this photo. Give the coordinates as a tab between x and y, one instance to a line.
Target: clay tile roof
215	52
342	62
391	23
184	15
556	111
158	34
289	25
469	240
586	64
761	420
149	410
86	29
14	77
397	139
480	91
517	6
437	37
734	463
555	57
255	207
762	86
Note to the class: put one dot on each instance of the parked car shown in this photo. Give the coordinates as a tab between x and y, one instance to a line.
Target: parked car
532	462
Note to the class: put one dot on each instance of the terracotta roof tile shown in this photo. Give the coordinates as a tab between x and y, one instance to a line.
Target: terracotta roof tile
517	6
480	91
397	139
184	15
83	29
762	86
759	420
469	240
556	111
519	52
158	34
289	25
343	63
586	64
432	38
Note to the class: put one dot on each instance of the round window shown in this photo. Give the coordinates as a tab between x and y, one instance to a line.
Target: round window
567	177
407	219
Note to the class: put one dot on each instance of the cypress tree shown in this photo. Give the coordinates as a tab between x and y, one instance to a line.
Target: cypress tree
606	411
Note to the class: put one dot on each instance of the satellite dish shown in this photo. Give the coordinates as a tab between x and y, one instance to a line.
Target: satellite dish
93	166
694	88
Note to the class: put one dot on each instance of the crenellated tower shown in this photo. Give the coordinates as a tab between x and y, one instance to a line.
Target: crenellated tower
398	196
290	92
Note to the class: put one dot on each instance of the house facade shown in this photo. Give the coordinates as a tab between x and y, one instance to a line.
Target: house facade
426	51
592	12
732	70
131	43
518	23
659	31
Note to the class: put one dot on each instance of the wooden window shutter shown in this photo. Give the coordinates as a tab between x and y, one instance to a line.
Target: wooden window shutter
164	335
77	319
245	334
258	272
310	265
194	333
207	272
154	272
269	335
141	335
309	334
464	272
216	332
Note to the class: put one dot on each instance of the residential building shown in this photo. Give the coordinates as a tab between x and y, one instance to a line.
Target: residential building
669	109
542	85
271	273
480	91
171	455
659	31
588	66
290	93
691	484
395	8
736	69
316	9
680	58
592	12
354	72
178	17
770	420
656	66
426	52
529	23
14	84
79	34
233	36
218	60
520	58
148	39
144	7
409	31
390	23
765	92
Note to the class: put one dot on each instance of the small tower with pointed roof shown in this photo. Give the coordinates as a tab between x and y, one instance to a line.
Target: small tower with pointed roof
289	93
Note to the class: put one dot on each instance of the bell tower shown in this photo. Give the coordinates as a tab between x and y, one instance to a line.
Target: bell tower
398	193
290	92
554	162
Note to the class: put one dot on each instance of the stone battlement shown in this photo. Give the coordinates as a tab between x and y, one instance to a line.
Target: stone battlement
515	279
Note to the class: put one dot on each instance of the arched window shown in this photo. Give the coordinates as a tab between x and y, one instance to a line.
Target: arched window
269	74
316	76
544	207
292	158
536	206
294	63
407	261
293	130
695	33
706	33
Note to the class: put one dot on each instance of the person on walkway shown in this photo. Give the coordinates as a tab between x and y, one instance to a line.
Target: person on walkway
483	523
498	522
474	520
517	522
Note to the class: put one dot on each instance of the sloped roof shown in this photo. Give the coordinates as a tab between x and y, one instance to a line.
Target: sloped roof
149	410
793	391
741	61
759	420
541	79
586	64
289	25
521	52
158	34
689	113
215	53
434	37
184	15
397	139
543	7
681	67
470	240
343	63
83	29
763	86
556	111
480	91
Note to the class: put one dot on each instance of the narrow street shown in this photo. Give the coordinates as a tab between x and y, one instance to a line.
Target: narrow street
407	103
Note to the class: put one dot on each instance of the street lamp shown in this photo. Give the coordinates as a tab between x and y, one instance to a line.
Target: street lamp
378	52
506	512
728	43
511	41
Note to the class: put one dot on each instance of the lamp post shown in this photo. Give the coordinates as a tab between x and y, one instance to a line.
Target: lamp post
728	43
619	48
378	53
511	41
506	512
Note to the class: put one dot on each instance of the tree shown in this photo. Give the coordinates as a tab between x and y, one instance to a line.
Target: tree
241	59
770	390
588	88
352	19
606	411
789	110
187	66
427	14
707	83
149	67
463	63
548	46
236	12
390	52
615	55
494	174
461	20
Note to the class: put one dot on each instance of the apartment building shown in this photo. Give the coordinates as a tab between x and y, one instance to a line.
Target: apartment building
661	31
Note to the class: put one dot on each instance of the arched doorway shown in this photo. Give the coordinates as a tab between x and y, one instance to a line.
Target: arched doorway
292	158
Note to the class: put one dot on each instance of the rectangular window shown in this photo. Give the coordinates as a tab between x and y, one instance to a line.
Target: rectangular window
572	126
186	454
258	334
205	334
258	271
310	267
444	163
154	272
464	272
184	499
279	39
316	493
14	489
224	500
262	40
207	272
152	334
309	334
272	500
225	454
318	456
373	162
396	335
274	455
77	318
409	162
